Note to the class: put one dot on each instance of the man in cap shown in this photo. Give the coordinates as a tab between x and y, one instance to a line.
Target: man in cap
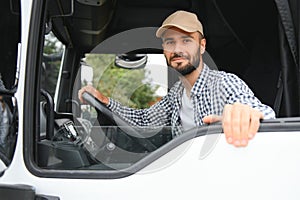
202	95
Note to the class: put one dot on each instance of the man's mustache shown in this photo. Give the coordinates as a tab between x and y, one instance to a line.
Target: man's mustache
178	55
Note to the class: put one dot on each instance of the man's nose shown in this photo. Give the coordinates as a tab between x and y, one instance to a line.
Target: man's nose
178	48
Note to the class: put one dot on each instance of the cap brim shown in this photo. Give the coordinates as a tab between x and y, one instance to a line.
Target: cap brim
165	27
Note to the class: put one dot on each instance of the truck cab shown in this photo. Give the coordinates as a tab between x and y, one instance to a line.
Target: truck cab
53	146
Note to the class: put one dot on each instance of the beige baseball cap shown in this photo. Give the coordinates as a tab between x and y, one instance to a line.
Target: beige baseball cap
183	20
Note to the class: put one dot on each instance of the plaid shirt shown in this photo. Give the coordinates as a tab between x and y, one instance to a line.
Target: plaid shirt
212	90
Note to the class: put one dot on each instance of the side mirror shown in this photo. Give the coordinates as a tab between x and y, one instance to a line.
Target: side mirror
131	61
8	129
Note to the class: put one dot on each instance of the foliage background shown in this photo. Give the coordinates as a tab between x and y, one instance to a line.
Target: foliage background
129	87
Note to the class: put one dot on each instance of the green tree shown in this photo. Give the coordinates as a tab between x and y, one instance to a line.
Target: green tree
52	45
126	86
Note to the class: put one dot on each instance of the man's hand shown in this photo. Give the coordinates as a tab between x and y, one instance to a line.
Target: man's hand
90	89
240	123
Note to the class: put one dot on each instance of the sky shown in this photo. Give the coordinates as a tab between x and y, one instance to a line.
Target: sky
158	72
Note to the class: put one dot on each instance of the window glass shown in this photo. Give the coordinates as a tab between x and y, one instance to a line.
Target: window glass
52	56
92	139
138	88
49	71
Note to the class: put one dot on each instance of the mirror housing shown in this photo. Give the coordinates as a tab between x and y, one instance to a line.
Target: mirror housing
131	61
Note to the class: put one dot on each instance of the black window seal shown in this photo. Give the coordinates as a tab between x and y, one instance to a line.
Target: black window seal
31	87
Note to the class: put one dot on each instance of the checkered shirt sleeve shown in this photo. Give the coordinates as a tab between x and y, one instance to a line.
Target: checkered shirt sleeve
233	89
157	115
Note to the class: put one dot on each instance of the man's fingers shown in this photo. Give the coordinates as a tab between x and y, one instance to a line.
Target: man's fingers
88	89
227	123
93	91
211	119
240	123
80	92
245	123
256	116
236	124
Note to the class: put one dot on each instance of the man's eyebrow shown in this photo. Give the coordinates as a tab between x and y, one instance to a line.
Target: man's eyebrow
167	39
182	37
187	36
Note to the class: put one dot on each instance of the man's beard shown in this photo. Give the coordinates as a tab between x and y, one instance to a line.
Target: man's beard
190	67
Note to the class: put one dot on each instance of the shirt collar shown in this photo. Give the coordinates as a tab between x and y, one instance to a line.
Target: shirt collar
201	81
199	84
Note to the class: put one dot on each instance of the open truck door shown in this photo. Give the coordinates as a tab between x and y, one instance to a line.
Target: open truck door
61	148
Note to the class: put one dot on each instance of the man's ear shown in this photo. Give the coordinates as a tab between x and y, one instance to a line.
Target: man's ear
202	45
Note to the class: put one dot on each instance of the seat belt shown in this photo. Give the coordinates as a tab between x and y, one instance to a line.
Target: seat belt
279	94
288	27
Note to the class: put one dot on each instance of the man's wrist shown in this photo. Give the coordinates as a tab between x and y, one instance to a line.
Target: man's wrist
103	99
106	101
111	104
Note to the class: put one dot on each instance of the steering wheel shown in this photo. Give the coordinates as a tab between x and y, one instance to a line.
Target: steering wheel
130	131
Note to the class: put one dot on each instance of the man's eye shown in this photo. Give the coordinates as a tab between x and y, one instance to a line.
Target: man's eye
187	40
169	42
